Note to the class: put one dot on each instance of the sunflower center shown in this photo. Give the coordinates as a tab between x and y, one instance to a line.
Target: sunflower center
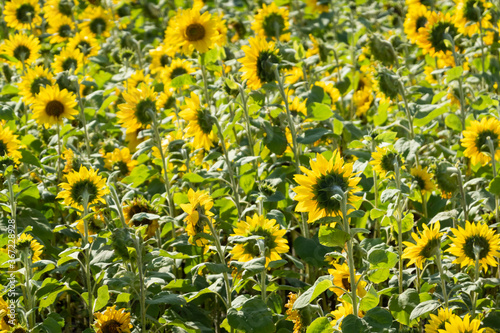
476	241
164	60
205	121
430	248
420	182
111	326
19	330
195	32
265	62
473	10
346	284
178	71
65	7
3	148
387	162
98	25
25	13
421	22
136	209
81	187
69	64
54	108
325	188
38	83
437	35
84	47
65	30
122	167
141	111
252	247
22	52
482	140
427	3
274	25
124	11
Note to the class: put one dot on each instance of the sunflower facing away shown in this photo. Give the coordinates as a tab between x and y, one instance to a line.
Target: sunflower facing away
465	325
135	80
427	242
4	318
438	322
113	320
383	162
140	205
470	16
423	179
416	18
189	30
34	79
475	140
342	311
27	241
258	61
81	183
319	184
61	28
271	22
22	14
293	315
177	68
329	88
121	160
52	105
200	202
23	48
9	144
475	237
258	225
200	123
68	60
134	113
341	279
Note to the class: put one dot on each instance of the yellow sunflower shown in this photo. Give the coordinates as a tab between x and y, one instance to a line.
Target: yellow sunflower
200	123
315	49
68	60
297	106
438	322
24	48
22	14
191	31
140	205
293	75
34	79
423	179
475	237
383	162
342	311
4	318
113	320
200	202
9	143
177	68
121	160
166	100
17	328
61	28
465	325
134	113
272	22
426	244
416	18
135	80
258	61
96	21
54	8
220	26
160	59
52	105
95	224
318	6
85	182
342	279
329	88
85	43
470	15
475	140
258	225
318	185
25	241
293	315
431	37
71	162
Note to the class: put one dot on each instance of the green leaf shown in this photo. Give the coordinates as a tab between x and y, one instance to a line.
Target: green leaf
320	111
251	316
322	284
388	194
454	73
338	126
453	122
419	122
381	116
102	298
139	175
423	308
183	80
320	325
494	187
375	213
353	324
167	298
402	305
483	102
29	158
406	223
386	136
312	135
378	318
370	300
379	258
329	236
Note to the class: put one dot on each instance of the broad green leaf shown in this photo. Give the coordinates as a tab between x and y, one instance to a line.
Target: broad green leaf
453	122
322	284
379	319
252	316
454	73
423	308
353	324
102	298
329	236
183	80
494	187
320	111
320	325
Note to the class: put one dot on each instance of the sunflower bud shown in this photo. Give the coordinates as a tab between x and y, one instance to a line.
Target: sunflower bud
7	72
382	50
388	83
446	179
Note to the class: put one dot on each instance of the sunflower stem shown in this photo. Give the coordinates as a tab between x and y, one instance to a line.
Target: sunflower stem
116	199
30	308
424	203
140	269
353	59
82	116
477	251
460	86
407	109
375	189
441	274
462	192
492	148
263	285
399	213
86	246
244	106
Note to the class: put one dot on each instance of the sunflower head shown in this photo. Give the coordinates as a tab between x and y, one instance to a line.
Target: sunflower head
438	322
22	47
387	83
423	179
135	113
416	18
427	242
120	160
200	122
258	63
384	161
140	205
52	105
34	79
112	320
293	315
342	281
475	140
22	14
271	22
198	212
9	146
27	243
83	187
457	324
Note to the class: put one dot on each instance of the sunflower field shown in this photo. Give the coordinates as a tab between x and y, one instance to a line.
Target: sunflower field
305	166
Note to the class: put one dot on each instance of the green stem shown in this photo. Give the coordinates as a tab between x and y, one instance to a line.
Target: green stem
88	272
462	193
263	285
399	212
29	298
140	268
350	255
424	204
441	274
82	116
244	105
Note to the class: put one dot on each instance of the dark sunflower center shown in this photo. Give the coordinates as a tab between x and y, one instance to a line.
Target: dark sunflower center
98	25
481	140
420	182
65	30
124	11
169	103
84	47
22	52
361	84
3	148
427	3
442	326
178	71
111	326
38	83
274	25
19	330
195	32
346	284
93	226
478	241
421	22
136	209
265	62
387	162
70	64
430	248
164	60
141	111
82	186
205	120
122	167
473	10
252	248
54	108
65	7
437	35
25	13
325	188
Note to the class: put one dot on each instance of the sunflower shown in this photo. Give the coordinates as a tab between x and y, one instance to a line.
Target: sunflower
319	184
438	322
85	43
220	26
430	4
459	325
293	315
166	100
470	16
318	6
26	241
200	122
55	8
258	225
113	320
160	59
132	139
425	247
342	279
34	79
121	160
423	179
200	202
4	318
475	140
429	77
177	68
293	75
329	88
134	113
416	18
135	80
17	328
140	205
431	37
22	14
297	106
95	223
315	49
446	180
9	144
475	237
24	48
68	60
383	161
85	182
72	162
52	105
271	22
61	28
189	30
97	21
343	311
258	61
